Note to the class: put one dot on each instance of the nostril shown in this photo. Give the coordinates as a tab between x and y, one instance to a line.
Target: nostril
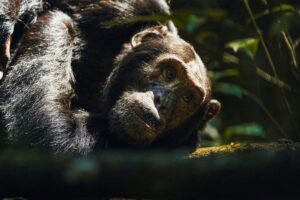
157	101
153	121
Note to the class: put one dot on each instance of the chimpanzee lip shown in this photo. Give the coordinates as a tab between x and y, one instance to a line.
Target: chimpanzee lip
145	122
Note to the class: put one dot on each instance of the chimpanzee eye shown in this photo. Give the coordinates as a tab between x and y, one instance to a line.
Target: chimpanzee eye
170	73
187	97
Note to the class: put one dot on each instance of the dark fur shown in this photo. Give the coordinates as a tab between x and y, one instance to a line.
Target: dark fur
42	103
14	11
37	90
14	15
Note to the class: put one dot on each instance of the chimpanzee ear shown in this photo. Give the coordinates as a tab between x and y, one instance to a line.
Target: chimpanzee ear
150	33
213	107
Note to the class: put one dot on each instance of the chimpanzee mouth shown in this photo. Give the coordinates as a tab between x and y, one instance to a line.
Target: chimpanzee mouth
148	120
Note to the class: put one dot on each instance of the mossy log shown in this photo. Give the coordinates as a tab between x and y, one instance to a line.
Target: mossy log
233	171
239	148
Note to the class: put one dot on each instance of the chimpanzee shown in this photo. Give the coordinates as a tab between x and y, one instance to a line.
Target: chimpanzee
86	78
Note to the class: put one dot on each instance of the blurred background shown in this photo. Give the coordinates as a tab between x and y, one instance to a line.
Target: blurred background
251	49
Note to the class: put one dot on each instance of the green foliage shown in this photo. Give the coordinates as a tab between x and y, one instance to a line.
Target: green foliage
247	45
251	50
194	23
229	89
252	130
217	75
286	8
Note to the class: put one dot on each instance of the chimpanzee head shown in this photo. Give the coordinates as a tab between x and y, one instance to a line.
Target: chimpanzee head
158	89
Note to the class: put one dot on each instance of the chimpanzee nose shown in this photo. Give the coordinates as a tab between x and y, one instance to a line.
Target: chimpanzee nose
162	104
159	101
162	100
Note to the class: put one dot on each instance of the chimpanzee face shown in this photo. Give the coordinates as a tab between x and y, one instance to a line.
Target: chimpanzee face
161	91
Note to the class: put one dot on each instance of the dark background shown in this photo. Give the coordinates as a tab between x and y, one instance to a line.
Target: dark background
254	68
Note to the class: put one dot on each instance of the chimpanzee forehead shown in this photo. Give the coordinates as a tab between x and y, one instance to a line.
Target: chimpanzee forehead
195	68
197	72
182	49
188	55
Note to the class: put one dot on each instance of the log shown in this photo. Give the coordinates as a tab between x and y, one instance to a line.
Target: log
239	148
232	171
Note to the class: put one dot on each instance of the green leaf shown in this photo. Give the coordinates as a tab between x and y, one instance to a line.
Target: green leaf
216	75
283	23
248	45
229	89
283	7
264	2
194	22
251	129
229	58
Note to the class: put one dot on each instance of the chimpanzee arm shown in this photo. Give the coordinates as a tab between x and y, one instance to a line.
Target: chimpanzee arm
38	89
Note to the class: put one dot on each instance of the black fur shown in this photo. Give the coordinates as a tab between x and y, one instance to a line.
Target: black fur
14	16
41	102
14	11
38	87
